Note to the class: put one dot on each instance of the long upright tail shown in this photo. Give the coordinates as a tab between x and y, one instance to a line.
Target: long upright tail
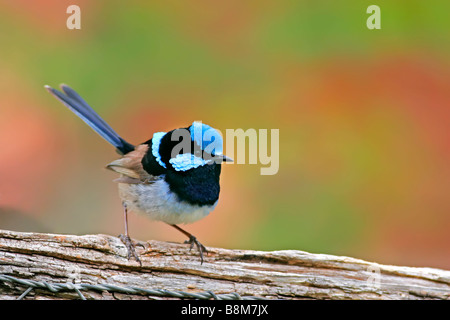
77	105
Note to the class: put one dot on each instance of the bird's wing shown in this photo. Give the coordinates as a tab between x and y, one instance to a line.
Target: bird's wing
130	167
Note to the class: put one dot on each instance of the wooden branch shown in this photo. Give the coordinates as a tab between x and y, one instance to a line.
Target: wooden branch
287	274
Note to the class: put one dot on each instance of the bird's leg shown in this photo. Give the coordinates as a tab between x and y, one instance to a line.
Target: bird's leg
125	238
192	240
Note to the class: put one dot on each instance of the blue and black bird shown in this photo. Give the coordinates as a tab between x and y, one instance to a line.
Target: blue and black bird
173	177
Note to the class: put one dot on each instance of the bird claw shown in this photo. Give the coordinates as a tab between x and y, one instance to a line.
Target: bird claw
131	248
201	248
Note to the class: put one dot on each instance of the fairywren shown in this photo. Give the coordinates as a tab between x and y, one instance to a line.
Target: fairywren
163	178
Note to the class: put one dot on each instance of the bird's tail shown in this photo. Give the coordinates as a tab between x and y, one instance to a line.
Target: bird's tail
77	105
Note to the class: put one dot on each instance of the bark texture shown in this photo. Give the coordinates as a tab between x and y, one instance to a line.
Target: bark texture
289	274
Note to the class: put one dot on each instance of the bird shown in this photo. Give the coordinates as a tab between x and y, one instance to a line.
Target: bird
173	177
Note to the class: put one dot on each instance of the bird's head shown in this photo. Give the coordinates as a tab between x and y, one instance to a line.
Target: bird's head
188	148
207	142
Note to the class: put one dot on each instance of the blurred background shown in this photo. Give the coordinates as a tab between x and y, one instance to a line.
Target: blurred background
363	118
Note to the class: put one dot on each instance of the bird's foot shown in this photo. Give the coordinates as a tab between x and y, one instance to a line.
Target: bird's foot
201	248
131	248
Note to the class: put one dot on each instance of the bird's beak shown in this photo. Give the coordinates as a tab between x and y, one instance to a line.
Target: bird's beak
219	158
226	159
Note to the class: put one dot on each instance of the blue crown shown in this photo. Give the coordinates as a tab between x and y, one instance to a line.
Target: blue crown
208	138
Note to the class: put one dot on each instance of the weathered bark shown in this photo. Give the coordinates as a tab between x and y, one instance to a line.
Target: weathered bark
287	274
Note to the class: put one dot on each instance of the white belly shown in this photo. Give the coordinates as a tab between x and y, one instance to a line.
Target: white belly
157	202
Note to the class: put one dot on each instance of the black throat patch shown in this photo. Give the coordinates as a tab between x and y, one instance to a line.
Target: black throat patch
199	186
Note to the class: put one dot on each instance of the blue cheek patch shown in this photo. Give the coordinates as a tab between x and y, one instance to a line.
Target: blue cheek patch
156	141
187	161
